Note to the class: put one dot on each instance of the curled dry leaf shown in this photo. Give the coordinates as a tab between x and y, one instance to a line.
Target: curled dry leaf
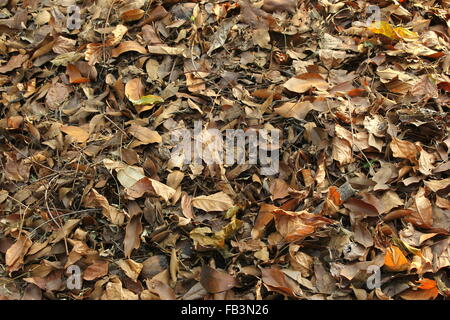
119	31
132	235
186	206
75	75
95	200
131	268
297	225
423	216
128	46
93	52
275	280
147	185
360	208
265	216
403	149
115	291
14	256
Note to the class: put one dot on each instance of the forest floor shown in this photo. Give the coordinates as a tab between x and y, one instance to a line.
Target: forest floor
99	198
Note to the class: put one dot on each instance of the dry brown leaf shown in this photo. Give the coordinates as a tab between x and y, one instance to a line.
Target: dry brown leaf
127	46
75	75
360	208
275	280
436	185
423	217
297	110
403	149
132	15
219	201
14	256
342	151
119	31
186	205
215	281
134	89
95	200
162	290
14	63
165	50
131	268
57	95
297	225
279	189
98	269
265	216
64	231
63	45
115	291
144	135
78	134
132	238
305	82
147	185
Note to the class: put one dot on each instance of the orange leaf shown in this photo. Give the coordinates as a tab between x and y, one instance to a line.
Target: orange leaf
356	92
395	260
132	15
444	86
75	75
335	196
427	284
421	294
14	122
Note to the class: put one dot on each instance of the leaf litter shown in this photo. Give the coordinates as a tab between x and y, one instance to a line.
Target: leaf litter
88	179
